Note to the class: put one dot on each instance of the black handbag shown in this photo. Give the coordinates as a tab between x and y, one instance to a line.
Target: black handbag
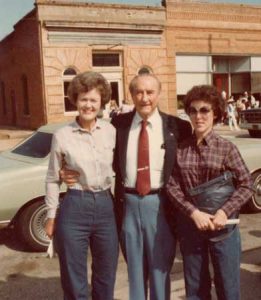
210	196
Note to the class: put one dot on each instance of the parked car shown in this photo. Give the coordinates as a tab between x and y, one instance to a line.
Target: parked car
250	119
250	149
22	175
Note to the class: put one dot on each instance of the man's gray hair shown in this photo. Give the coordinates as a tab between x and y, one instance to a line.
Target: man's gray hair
133	83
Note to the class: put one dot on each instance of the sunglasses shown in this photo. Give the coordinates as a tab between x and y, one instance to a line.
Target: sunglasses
192	111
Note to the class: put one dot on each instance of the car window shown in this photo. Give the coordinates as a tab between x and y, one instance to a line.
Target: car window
37	146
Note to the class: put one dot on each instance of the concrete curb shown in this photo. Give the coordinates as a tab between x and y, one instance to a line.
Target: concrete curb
4	136
14	133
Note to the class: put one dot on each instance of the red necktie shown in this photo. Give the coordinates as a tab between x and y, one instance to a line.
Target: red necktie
143	168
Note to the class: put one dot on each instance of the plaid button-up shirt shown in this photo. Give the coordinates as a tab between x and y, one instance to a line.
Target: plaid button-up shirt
197	164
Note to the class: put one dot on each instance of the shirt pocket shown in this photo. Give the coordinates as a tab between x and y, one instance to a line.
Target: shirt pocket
158	160
106	153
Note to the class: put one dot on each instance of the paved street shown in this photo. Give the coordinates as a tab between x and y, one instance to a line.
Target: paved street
31	276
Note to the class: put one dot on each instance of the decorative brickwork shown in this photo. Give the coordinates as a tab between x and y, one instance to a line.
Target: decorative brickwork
56	61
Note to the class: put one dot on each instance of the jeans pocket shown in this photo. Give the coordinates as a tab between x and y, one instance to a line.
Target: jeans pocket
70	207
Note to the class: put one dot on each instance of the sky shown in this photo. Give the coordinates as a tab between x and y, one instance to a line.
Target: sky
13	10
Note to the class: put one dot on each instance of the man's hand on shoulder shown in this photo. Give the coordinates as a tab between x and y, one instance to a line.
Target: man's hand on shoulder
69	177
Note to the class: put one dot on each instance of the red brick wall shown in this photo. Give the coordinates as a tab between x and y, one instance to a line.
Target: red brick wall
20	55
215	29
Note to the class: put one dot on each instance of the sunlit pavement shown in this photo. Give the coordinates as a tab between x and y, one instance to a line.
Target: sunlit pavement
225	130
250	226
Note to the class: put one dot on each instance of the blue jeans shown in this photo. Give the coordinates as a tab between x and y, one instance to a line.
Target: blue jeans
149	247
196	248
84	220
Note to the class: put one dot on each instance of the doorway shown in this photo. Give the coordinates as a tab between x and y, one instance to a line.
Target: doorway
220	81
116	82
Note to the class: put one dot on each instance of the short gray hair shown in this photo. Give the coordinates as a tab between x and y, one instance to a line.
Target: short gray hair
133	83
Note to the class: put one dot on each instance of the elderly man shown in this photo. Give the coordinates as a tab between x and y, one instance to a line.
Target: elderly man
146	142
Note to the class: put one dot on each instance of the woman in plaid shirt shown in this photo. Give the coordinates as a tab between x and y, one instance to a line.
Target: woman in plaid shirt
201	158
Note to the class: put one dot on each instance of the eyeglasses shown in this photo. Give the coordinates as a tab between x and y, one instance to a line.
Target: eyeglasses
192	111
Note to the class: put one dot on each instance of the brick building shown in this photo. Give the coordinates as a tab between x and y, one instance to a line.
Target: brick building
182	42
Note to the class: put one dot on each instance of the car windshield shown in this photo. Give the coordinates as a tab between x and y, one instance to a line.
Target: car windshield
37	146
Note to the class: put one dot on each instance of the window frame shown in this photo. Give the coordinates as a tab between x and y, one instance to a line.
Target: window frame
68	78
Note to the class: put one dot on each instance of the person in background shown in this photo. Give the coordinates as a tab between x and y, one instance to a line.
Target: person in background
114	109
200	159
231	113
252	101
126	107
106	111
258	102
224	95
85	218
245	100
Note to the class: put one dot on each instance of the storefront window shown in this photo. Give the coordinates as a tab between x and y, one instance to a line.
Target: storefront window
105	59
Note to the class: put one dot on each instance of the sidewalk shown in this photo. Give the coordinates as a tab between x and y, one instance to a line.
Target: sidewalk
177	282
8	132
11	136
224	130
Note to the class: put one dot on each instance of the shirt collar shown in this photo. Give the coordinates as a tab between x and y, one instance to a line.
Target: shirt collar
76	126
208	139
153	120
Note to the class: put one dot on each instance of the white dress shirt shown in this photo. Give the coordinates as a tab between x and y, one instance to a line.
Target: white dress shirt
156	150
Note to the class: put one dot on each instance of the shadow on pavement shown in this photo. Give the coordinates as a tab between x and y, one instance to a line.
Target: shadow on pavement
245	135
251	274
19	286
256	233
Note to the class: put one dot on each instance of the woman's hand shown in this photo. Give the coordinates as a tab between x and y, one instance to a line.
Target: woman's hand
220	219
49	227
202	220
70	177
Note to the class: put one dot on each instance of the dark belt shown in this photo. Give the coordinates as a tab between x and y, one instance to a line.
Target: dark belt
135	192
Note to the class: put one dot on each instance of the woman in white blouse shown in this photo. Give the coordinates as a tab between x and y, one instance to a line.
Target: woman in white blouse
85	217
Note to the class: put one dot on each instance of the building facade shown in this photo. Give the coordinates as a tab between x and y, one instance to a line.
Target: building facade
182	42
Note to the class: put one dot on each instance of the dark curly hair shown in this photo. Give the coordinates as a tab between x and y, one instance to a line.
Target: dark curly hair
85	82
208	94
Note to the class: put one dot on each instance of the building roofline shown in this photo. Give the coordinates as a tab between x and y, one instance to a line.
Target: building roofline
215	2
25	17
93	4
